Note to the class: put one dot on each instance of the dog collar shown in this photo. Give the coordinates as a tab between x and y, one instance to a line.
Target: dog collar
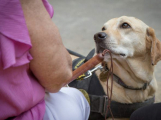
120	82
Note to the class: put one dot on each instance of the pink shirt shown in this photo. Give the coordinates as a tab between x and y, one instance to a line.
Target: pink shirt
21	96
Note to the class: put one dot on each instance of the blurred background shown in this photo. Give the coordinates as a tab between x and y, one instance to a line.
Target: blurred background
79	20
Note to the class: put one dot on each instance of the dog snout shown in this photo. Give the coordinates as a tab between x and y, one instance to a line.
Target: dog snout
98	37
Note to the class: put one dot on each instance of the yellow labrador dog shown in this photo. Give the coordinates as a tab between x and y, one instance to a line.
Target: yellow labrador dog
136	51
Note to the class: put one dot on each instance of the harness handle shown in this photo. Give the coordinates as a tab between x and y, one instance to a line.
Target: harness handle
87	66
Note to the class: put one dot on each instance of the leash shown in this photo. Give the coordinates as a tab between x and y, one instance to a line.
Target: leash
110	73
87	66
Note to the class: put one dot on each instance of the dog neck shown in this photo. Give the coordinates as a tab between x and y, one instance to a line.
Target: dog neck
134	72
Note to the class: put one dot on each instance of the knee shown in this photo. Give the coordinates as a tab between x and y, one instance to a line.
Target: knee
85	105
134	116
72	101
80	97
139	114
80	100
76	95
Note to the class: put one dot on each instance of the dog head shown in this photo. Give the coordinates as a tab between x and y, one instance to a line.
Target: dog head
128	37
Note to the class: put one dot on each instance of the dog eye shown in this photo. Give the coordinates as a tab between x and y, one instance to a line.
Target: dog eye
125	25
103	28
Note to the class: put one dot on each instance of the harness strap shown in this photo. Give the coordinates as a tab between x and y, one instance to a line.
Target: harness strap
99	105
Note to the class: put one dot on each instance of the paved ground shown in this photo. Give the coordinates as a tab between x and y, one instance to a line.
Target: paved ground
79	20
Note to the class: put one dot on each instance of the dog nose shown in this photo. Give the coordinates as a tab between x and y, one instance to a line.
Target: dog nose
100	36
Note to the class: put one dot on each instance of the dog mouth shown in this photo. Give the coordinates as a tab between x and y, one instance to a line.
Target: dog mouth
101	48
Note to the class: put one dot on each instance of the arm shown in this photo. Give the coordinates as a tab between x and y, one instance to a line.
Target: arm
51	62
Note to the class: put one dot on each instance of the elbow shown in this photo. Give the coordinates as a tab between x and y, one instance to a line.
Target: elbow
53	89
68	76
63	80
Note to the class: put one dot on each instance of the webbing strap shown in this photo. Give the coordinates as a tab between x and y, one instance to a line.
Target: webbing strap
99	105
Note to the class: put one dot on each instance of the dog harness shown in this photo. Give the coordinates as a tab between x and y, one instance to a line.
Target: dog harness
98	99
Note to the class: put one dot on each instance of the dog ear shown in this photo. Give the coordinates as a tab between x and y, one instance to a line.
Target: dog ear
155	46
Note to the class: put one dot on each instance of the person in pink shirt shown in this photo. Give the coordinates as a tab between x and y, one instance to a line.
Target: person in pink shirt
33	59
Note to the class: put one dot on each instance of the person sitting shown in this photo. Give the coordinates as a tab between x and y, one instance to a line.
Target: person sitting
33	60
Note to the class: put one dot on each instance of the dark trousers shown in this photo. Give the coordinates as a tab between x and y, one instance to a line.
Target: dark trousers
150	112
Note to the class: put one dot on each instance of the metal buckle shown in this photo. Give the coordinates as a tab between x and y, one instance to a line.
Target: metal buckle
104	112
89	72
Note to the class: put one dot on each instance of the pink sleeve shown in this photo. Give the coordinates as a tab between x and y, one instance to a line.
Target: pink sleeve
49	8
14	37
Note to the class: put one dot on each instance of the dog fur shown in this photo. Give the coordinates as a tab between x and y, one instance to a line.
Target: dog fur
135	51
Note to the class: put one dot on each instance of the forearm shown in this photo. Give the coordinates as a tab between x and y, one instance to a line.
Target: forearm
51	62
